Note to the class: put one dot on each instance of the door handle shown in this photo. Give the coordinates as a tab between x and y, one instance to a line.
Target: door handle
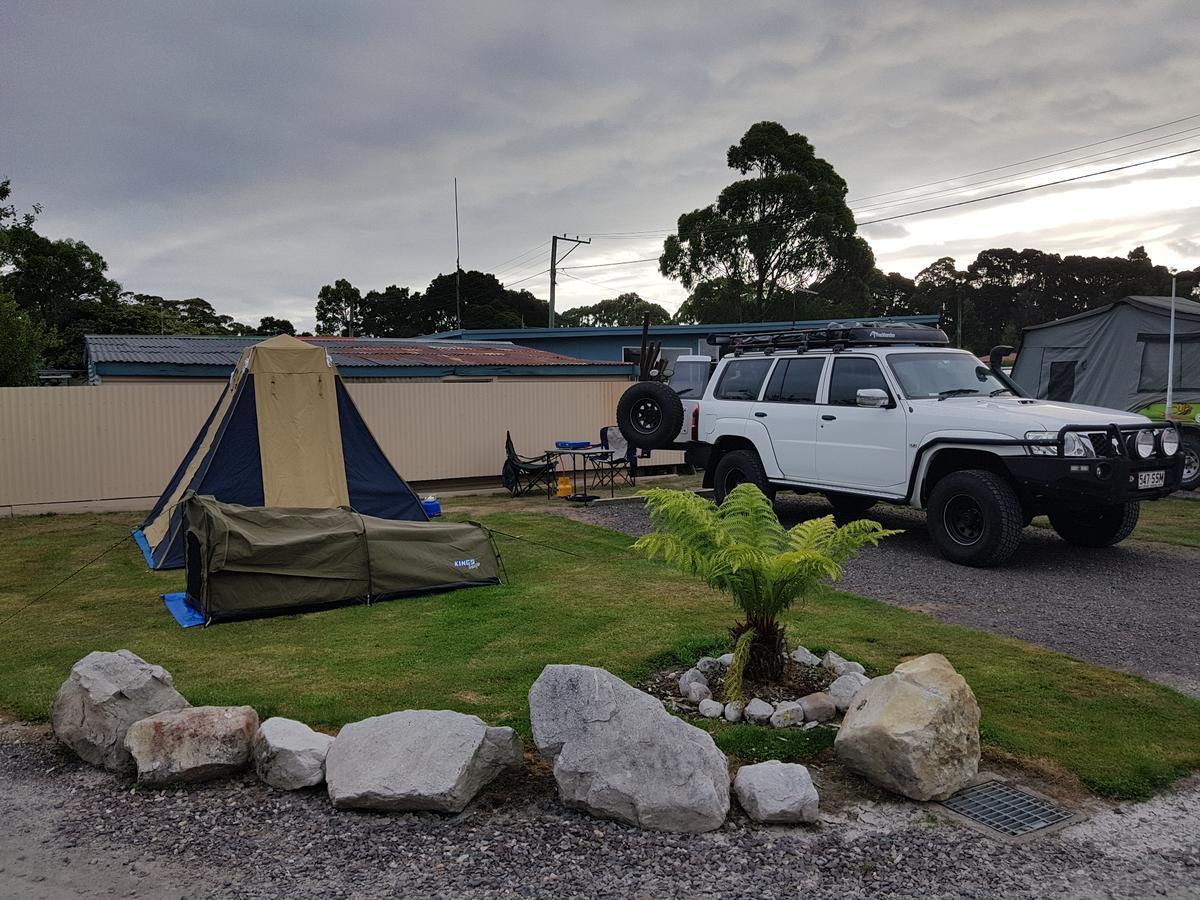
828	418
761	415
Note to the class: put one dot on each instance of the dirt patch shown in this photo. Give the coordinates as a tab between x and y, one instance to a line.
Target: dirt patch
798	681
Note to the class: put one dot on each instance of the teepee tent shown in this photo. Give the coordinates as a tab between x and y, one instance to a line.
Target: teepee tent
284	433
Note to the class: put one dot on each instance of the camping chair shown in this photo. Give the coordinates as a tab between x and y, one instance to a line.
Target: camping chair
619	463
523	474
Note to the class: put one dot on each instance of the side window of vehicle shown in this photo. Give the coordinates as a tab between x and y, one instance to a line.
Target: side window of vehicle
795	380
742	379
852	374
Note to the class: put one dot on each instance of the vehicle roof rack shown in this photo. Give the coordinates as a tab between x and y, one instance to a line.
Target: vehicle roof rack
836	336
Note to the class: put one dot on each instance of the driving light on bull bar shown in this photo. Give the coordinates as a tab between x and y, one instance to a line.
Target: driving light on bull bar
1073	444
1143	444
1168	441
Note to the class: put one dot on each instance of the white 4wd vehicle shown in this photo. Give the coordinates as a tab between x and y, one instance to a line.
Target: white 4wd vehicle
867	412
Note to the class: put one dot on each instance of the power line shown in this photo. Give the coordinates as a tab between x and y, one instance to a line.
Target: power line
516	262
1066	165
627	262
1035	187
529	278
1031	159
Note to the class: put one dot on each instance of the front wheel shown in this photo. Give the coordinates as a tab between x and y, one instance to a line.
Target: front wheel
1191	461
739	467
1095	526
975	518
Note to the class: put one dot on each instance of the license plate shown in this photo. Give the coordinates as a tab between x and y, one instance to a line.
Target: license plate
1147	480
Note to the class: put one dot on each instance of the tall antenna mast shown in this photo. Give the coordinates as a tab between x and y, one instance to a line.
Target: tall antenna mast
457	262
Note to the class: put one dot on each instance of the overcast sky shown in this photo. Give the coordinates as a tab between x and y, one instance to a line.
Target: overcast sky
249	153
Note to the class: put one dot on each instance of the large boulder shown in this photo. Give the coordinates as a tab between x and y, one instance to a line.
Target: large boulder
619	754
417	759
778	792
915	731
289	755
105	694
194	744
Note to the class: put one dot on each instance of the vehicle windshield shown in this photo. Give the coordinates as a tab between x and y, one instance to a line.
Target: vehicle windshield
925	376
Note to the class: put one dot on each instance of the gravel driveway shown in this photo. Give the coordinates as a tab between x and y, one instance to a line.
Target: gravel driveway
68	830
1134	607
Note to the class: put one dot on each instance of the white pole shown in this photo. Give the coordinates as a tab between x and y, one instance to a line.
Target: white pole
1171	353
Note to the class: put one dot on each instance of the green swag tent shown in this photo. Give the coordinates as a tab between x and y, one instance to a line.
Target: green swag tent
244	561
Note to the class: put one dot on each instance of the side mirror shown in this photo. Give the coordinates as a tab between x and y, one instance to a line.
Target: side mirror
996	357
872	398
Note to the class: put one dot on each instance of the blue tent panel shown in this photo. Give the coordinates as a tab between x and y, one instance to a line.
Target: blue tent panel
372	484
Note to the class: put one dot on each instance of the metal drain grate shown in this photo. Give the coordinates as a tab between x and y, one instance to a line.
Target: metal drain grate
1006	809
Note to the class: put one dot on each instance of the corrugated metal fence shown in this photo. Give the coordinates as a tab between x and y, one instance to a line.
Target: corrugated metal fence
115	446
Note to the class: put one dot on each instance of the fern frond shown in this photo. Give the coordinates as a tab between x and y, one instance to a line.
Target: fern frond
741	656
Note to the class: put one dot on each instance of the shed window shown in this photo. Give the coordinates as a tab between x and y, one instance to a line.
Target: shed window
1062	381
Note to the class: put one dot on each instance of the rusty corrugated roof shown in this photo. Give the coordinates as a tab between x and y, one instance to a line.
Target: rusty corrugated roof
347	353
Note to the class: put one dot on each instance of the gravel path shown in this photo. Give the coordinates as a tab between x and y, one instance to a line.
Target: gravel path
68	830
1134	607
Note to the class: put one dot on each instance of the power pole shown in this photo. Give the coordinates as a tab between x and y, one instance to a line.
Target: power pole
958	317
1171	355
457	262
554	239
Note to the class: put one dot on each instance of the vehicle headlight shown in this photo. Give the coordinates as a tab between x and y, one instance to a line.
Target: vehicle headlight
1143	444
1168	441
1074	444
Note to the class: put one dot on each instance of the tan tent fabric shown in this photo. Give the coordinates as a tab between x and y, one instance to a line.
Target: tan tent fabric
243	561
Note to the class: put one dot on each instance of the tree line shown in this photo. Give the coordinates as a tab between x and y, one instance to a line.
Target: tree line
777	244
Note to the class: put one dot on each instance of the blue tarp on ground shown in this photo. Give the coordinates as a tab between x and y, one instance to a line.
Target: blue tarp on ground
184	614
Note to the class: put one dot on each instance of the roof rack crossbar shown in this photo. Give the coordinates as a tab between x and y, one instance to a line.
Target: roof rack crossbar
836	335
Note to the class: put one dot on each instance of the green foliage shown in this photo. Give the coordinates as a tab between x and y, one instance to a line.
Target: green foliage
624	309
737	669
22	343
269	325
339	309
740	549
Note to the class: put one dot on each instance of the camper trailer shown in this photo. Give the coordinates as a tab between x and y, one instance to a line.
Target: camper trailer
1116	356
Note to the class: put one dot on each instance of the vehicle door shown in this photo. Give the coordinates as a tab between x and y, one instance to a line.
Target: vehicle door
860	446
738	385
789	410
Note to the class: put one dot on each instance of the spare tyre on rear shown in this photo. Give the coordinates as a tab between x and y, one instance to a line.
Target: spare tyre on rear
650	415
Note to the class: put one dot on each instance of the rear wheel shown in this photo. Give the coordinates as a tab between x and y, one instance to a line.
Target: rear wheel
975	518
739	467
1095	526
650	415
1191	461
849	506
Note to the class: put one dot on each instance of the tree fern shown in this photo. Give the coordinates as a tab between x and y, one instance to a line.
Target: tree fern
741	549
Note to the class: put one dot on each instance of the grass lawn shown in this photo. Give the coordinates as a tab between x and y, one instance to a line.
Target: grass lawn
479	650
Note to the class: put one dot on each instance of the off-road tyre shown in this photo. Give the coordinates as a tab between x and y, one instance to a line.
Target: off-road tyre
1095	526
975	518
848	506
737	467
650	415
1190	448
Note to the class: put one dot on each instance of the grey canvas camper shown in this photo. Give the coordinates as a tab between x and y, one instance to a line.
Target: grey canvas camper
1115	356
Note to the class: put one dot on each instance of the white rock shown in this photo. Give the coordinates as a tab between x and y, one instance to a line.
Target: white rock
710	667
289	755
194	744
777	792
915	731
844	688
839	666
733	710
818	707
787	715
698	693
105	694
417	759
711	709
758	711
691	676
804	657
726	660
619	754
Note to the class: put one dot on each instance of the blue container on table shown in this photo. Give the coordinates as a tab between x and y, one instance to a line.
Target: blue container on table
572	445
432	507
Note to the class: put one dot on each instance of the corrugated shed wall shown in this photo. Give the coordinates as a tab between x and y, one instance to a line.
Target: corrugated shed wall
116	445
